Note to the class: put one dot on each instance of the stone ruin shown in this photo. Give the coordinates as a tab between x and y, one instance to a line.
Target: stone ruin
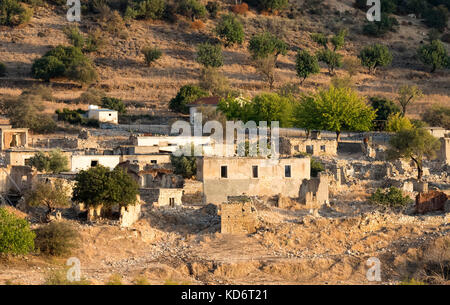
430	202
314	192
238	216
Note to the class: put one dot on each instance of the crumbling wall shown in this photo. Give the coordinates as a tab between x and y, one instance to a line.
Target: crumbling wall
314	192
238	218
170	197
430	202
315	147
129	215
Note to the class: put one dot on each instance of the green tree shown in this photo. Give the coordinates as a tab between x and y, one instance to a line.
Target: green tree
265	44
16	236
271	107
415	144
192	9
210	55
375	56
434	55
54	162
396	123
235	109
338	40
384	108
406	95
306	64
114	104
230	30
335	109
332	59
47	67
52	196
99	186
266	67
187	94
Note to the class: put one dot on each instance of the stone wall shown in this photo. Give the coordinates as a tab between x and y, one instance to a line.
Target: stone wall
431	201
129	215
238	218
170	197
315	147
271	177
314	192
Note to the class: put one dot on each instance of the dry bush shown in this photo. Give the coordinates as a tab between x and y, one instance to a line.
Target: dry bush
197	25
240	9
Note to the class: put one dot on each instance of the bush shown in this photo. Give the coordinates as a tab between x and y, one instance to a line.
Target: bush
437	116
434	55
213	9
94	42
396	122
74	36
151	55
114	104
265	44
76	117
16	236
375	56
192	9
13	13
273	5
316	167
380	28
148	9
210	55
185	166
56	239
2	69
391	197
231	30
64	61
436	17
187	94
240	9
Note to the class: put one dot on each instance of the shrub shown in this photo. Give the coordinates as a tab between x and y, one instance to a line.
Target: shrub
384	108
437	116
187	94
316	167
56	238
25	111
13	13
64	61
213	9
76	117
273	5
192	9
436	17
151	55
396	122
214	81
391	197
2	69
74	36
240	9
230	29
59	277
149	9
92	97
16	236
185	166
380	28
306	64
94	42
210	55
114	104
375	56
434	55
197	25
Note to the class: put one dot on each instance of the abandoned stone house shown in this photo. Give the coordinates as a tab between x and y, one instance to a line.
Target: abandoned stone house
235	176
13	137
316	147
238	216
